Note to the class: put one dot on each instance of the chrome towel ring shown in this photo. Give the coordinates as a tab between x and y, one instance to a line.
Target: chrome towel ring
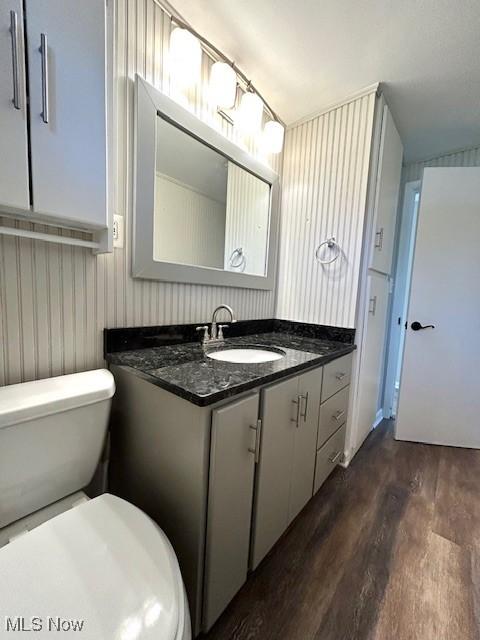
332	244
240	260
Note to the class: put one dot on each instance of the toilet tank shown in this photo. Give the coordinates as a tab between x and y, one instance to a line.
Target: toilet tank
51	438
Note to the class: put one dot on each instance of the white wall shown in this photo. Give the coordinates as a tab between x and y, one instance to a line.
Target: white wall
324	190
55	300
247	222
189	226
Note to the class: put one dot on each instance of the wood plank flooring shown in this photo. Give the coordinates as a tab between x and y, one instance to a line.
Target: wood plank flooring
389	549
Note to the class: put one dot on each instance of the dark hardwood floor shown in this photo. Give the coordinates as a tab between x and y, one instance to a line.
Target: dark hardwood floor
389	549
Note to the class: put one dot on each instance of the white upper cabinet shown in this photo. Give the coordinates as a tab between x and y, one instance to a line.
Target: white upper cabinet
67	71
14	189
386	195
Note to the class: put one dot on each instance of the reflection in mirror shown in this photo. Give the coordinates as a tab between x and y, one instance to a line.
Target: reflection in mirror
209	212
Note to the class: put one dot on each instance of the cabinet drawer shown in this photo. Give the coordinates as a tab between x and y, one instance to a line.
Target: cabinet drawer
328	457
336	375
333	413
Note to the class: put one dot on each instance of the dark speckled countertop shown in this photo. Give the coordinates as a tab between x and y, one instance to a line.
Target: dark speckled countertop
186	370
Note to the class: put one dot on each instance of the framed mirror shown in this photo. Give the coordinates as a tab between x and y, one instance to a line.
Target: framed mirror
205	211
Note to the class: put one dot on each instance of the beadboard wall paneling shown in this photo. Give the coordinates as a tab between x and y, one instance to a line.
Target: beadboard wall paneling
247	221
189	226
55	300
324	190
465	158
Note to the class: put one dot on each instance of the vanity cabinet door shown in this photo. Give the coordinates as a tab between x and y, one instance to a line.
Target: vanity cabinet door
232	469
272	488
305	441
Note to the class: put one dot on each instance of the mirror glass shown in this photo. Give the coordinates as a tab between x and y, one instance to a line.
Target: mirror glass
209	211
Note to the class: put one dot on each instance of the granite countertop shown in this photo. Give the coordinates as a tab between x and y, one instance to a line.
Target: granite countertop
186	370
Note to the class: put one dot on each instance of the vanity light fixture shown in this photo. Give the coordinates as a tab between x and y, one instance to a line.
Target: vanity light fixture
250	112
223	85
186	46
185	57
273	134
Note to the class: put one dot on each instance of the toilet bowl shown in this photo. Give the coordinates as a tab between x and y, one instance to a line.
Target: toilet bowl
99	568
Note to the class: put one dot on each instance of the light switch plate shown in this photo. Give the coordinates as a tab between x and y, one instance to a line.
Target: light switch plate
118	231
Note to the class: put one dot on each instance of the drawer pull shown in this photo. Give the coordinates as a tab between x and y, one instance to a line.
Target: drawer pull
338	415
335	456
340	375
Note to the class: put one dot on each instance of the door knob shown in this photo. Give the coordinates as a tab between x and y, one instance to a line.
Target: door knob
416	326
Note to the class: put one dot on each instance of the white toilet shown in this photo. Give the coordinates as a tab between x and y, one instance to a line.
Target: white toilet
99	566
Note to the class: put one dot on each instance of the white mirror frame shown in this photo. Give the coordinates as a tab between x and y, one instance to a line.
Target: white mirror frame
149	104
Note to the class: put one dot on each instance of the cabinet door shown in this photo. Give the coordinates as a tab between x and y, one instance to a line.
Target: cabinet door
67	71
372	355
14	189
305	444
386	199
272	489
232	469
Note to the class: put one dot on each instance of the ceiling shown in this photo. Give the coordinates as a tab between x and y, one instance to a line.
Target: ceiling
305	55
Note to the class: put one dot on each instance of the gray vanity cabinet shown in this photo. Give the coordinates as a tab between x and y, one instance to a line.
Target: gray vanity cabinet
303	466
234	442
287	457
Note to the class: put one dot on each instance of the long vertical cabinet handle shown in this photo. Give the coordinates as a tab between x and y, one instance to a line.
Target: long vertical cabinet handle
258	434
372	305
296	402
44	53
16	75
379	239
303	414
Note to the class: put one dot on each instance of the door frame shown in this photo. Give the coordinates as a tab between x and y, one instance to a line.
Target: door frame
405	247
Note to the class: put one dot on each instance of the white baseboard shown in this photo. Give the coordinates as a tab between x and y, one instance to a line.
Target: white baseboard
378	418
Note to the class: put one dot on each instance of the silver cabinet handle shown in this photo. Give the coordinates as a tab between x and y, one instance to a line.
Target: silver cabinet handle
379	239
372	305
16	76
44	53
340	375
335	456
258	432
296	402
338	415
304	413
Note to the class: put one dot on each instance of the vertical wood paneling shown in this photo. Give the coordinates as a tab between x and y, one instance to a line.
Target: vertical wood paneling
56	300
465	158
324	182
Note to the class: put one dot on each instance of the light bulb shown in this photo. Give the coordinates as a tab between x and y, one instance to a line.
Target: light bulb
223	85
250	112
185	57
273	134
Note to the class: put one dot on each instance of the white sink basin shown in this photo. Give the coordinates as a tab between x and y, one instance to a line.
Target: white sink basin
247	356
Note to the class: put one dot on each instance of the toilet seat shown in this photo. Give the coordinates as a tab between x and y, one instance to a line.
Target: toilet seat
104	562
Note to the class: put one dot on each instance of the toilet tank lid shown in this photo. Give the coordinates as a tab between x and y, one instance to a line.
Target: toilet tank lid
39	398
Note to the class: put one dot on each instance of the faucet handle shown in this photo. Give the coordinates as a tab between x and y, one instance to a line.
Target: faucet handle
204	328
221	327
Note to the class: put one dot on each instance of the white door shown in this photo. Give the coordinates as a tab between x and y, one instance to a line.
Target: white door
440	384
386	196
14	190
372	356
67	62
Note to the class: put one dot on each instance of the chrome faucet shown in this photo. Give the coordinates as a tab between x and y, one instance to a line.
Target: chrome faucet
216	331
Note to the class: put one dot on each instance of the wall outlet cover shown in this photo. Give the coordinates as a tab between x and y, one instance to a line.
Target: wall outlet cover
118	231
